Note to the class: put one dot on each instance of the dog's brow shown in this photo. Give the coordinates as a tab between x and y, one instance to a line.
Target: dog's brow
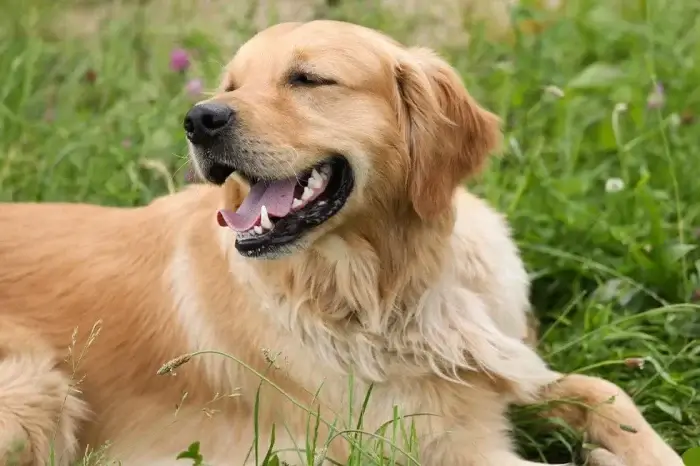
300	64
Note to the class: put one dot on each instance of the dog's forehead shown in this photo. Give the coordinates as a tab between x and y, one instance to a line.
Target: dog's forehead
325	45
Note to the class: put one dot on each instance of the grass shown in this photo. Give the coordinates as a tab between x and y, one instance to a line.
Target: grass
92	112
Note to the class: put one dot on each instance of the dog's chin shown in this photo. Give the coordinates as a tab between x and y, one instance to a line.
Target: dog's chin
280	217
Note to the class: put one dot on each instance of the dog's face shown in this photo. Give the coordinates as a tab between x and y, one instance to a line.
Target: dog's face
331	121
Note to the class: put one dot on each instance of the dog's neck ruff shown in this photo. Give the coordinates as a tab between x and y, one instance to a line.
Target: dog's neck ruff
418	328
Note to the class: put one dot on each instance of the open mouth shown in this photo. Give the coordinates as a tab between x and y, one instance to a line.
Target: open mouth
277	213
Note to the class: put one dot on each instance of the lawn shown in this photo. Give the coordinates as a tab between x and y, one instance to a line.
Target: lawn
600	173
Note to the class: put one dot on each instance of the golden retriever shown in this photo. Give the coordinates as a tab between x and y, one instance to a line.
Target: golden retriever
333	253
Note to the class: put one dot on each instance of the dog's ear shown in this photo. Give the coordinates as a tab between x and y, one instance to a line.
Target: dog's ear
449	135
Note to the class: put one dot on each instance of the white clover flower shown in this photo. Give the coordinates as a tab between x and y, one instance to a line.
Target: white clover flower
614	185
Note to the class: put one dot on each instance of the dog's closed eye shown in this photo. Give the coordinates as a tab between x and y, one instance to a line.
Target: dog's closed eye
305	79
228	85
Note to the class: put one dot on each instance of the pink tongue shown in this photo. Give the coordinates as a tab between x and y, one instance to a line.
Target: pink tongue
277	198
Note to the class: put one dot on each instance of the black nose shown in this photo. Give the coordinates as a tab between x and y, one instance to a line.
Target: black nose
204	122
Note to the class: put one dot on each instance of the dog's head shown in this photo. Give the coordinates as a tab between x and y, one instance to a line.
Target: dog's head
331	122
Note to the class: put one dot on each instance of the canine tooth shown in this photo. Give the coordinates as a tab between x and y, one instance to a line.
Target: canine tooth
326	171
315	183
265	219
306	195
258	229
296	203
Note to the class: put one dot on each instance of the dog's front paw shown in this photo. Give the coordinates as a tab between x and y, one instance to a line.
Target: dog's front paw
603	457
642	456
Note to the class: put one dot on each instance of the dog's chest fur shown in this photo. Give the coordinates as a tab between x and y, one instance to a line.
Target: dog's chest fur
321	331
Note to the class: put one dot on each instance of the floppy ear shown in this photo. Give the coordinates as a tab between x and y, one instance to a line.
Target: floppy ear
449	135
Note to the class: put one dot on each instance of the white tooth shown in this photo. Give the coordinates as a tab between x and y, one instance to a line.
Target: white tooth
306	195
258	229
315	174
315	183
296	203
265	219
326	171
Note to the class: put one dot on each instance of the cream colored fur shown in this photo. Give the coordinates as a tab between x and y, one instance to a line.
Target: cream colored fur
415	288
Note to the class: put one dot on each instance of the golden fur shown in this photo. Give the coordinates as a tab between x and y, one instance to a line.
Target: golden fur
415	287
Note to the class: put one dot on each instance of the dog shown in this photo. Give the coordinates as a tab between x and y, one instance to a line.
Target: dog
331	270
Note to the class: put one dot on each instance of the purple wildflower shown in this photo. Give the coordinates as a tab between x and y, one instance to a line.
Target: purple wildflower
656	97
179	60
194	87
90	76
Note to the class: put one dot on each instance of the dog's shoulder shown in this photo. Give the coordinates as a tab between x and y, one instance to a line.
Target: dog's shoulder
488	262
478	222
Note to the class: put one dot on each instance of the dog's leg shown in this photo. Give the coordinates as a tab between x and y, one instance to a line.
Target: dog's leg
14	442
610	418
510	459
463	455
486	443
39	413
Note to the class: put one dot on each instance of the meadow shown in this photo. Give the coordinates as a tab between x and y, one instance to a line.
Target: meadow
599	174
